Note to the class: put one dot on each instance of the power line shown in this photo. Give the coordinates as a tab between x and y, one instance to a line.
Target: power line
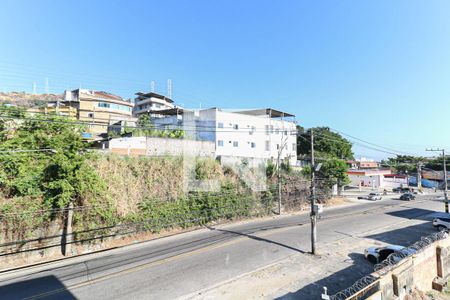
323	136
361	140
192	129
28	150
188	128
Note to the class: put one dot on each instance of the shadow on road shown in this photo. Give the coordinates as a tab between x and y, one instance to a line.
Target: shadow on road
404	236
257	238
48	287
414	213
336	281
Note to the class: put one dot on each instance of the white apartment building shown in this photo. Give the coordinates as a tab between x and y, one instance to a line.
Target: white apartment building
260	133
145	103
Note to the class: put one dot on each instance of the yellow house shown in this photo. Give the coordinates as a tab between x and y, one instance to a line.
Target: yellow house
98	109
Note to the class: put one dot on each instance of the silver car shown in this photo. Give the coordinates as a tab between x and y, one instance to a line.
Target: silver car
374	196
442	223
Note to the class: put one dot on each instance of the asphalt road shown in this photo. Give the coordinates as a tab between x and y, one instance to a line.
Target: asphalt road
181	265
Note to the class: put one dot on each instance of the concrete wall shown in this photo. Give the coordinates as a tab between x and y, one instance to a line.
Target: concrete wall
374	181
424	271
155	146
167	146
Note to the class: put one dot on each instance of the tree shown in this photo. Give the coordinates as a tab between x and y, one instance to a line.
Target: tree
330	149
58	176
327	144
147	128
408	163
334	171
403	163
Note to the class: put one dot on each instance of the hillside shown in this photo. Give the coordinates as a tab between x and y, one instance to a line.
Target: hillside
27	100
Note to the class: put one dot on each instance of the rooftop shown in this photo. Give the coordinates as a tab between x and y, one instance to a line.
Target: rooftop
169	112
153	95
272	113
100	94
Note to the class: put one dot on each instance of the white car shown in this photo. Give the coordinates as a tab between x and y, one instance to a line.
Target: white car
441	223
374	196
377	254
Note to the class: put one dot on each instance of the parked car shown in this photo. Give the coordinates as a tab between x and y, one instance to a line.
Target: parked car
374	196
442	223
408	197
377	254
402	190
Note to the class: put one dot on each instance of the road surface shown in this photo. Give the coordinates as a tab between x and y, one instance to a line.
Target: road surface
187	264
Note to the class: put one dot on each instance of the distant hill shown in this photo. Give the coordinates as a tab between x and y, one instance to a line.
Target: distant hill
27	100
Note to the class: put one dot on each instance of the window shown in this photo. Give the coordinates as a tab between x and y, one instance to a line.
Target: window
267	129
236	126
253	145
220	143
271	128
294	146
277	131
267	145
278	146
252	130
220	125
103	104
285	132
90	115
235	144
114	106
384	253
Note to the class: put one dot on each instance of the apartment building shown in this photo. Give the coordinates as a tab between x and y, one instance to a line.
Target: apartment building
260	133
148	103
99	109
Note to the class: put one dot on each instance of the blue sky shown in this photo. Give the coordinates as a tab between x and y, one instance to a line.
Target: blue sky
377	70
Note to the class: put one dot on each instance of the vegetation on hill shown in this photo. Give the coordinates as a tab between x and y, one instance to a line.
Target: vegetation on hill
46	166
22	99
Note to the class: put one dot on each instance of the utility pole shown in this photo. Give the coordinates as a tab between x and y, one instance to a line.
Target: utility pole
47	89
152	86
313	198
279	183
419	176
280	152
445	176
67	231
